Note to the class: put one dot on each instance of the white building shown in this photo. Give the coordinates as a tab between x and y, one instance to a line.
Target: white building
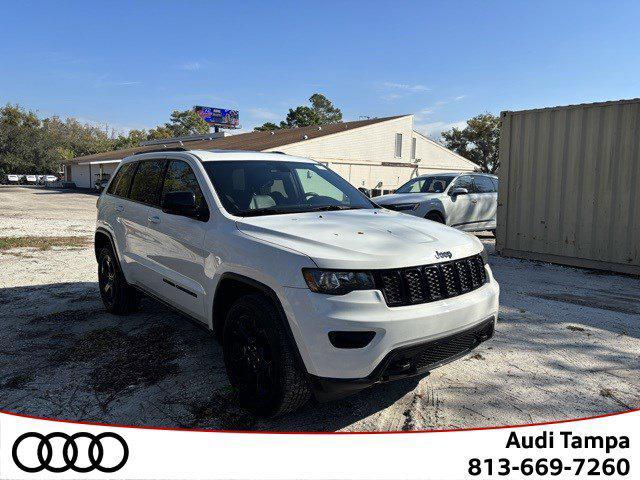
379	154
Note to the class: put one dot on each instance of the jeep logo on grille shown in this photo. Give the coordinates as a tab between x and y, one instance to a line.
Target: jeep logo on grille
446	254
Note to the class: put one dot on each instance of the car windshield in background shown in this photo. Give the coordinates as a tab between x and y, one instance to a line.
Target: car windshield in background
251	188
431	184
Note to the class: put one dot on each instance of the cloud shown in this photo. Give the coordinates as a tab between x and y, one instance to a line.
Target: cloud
392	91
390	97
191	66
105	81
405	87
423	114
459	97
434	129
263	115
122	84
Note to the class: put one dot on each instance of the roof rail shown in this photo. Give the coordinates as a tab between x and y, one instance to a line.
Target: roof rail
168	149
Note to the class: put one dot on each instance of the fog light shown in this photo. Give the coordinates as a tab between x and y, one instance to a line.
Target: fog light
351	339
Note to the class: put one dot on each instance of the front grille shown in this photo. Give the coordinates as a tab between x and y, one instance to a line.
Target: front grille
409	286
432	354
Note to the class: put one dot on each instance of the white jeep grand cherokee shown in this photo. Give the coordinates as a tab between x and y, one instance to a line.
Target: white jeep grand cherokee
309	286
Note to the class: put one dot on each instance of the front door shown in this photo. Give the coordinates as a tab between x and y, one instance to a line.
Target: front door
176	252
461	208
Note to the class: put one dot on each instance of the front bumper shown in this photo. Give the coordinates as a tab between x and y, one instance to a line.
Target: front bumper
408	361
312	316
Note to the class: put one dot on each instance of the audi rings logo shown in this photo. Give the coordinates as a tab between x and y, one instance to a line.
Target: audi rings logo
70	452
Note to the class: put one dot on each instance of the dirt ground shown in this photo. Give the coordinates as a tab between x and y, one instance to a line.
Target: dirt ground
567	345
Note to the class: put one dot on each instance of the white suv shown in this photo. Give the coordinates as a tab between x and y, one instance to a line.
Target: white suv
310	287
467	201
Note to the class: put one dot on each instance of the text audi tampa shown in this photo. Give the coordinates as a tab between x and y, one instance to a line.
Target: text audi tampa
311	288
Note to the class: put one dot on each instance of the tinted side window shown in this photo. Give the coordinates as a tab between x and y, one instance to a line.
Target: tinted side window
180	178
146	181
120	185
464	182
484	184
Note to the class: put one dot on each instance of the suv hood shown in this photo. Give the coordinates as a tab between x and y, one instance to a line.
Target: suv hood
394	198
362	239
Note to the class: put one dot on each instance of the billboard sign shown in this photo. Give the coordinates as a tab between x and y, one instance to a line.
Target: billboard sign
220	117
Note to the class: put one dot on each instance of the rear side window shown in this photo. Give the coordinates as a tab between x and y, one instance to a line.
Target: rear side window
180	178
120	184
146	182
484	184
464	182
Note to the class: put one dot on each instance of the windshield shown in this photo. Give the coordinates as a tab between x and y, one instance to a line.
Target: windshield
431	184
251	188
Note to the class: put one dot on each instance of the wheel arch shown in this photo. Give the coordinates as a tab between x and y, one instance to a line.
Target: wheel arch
232	286
436	211
101	239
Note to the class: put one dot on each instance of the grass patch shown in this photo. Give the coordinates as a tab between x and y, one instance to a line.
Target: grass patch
43	243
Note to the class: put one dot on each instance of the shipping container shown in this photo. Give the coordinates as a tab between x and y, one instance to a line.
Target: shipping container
569	185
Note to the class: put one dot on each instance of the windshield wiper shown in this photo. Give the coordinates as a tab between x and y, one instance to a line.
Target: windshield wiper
262	211
328	208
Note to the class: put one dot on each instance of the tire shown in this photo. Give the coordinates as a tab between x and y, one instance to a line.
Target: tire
117	295
435	216
260	360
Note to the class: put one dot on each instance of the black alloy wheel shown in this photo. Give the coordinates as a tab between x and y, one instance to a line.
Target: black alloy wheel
260	360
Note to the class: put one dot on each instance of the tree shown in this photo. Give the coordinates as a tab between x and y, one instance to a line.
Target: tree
266	127
320	112
186	122
300	117
31	145
478	141
324	110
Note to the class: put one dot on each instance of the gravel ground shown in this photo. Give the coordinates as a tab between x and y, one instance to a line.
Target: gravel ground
567	346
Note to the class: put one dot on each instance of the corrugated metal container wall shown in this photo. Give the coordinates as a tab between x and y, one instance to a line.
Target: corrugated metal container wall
570	185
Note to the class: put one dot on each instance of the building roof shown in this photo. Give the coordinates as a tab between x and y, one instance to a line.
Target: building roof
255	141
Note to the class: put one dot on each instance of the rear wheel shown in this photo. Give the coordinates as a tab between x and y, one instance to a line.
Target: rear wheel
435	216
260	361
117	295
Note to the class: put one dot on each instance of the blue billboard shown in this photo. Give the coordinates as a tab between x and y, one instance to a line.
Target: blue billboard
220	117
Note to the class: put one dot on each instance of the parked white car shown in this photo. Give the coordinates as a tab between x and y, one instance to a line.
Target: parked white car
467	201
310	287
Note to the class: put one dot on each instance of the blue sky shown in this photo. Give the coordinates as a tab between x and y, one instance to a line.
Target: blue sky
128	64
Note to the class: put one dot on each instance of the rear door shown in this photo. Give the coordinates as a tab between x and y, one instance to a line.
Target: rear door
487	202
143	193
114	208
176	253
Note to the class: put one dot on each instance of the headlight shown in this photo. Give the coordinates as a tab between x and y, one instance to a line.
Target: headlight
484	255
337	283
404	206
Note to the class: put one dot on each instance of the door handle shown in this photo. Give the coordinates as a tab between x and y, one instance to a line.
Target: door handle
154	219
119	208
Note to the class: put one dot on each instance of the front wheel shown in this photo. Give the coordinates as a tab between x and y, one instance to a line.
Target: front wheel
260	360
117	296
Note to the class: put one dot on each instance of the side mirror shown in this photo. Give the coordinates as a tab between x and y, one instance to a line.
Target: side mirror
180	203
458	191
